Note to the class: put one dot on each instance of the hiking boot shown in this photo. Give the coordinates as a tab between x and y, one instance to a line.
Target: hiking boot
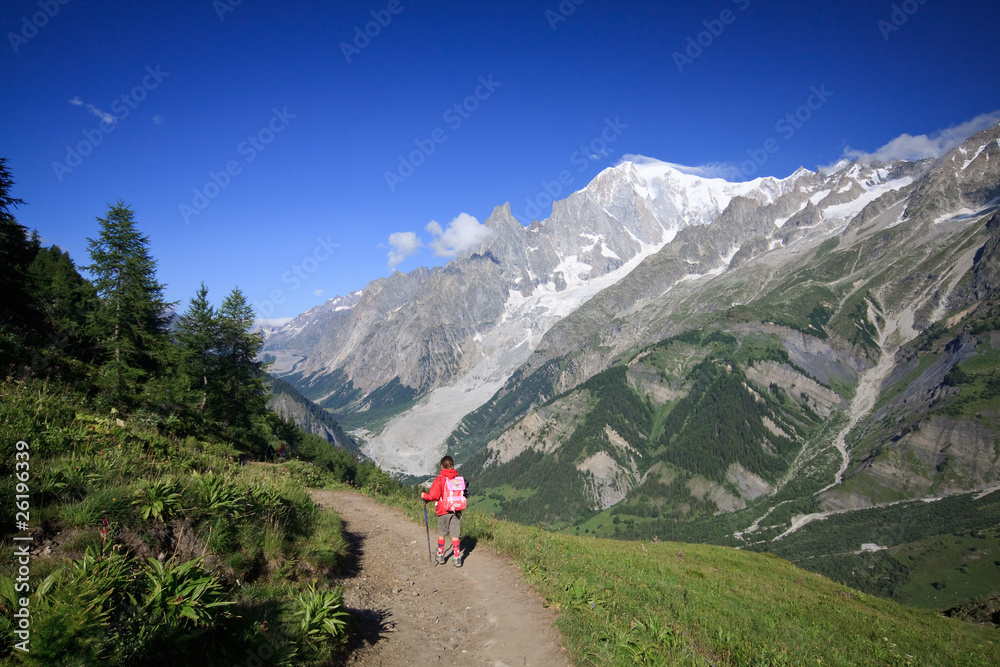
440	560
457	561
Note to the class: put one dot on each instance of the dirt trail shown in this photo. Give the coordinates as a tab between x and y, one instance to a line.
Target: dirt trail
415	613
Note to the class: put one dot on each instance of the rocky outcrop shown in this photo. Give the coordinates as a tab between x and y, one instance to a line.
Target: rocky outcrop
820	400
941	457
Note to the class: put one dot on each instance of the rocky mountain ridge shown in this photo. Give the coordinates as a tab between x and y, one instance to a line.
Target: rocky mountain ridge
462	329
873	309
446	340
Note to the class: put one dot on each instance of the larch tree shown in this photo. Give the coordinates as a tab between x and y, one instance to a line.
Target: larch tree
18	312
65	300
197	335
130	321
243	374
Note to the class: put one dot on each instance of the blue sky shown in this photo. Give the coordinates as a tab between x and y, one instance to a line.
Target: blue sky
299	150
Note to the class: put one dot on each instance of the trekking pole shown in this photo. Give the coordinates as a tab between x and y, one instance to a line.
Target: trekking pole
427	525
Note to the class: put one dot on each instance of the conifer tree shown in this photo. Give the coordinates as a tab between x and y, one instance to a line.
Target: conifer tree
197	335
130	322
243	375
18	314
64	299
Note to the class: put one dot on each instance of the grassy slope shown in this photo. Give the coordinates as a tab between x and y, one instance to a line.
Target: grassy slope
667	603
620	603
252	531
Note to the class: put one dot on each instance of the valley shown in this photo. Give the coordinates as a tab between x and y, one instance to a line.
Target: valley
669	357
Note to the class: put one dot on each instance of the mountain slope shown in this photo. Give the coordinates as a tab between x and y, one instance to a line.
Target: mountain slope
287	402
455	334
846	366
668	356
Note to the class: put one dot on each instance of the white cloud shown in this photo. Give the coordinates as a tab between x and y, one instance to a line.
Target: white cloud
157	119
833	168
401	246
103	115
729	172
318	292
909	147
463	233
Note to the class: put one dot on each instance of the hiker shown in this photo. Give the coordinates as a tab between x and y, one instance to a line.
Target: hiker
449	491
270	453
281	452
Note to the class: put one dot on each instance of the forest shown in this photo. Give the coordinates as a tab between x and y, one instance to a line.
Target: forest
131	434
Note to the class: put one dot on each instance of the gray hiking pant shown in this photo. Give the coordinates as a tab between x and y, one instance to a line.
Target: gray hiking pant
450	524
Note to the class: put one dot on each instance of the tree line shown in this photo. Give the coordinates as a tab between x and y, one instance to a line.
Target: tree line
116	338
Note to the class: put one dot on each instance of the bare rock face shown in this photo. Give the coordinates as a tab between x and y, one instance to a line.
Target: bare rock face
751	486
846	271
821	400
943	456
542	430
607	482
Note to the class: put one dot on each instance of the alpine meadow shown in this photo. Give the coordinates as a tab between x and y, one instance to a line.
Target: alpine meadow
804	367
549	332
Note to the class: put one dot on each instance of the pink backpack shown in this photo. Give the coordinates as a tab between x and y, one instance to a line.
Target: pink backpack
454	494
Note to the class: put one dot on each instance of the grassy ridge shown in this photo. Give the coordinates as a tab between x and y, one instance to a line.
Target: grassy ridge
151	549
666	603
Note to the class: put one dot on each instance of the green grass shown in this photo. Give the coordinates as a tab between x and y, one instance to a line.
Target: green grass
659	418
971	563
623	603
494	501
248	537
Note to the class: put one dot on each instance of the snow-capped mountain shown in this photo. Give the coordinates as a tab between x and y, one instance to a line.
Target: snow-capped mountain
832	351
453	335
443	341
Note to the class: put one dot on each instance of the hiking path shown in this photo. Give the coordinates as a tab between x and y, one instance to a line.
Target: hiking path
414	613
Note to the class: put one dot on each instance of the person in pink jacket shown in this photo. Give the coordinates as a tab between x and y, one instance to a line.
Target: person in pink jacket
448	490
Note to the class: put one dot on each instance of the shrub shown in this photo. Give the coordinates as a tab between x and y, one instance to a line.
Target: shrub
158	499
320	618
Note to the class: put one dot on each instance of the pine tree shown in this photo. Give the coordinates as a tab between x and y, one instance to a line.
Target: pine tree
197	335
130	322
65	300
19	317
243	375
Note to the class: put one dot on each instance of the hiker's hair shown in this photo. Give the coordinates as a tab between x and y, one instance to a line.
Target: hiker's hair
447	462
